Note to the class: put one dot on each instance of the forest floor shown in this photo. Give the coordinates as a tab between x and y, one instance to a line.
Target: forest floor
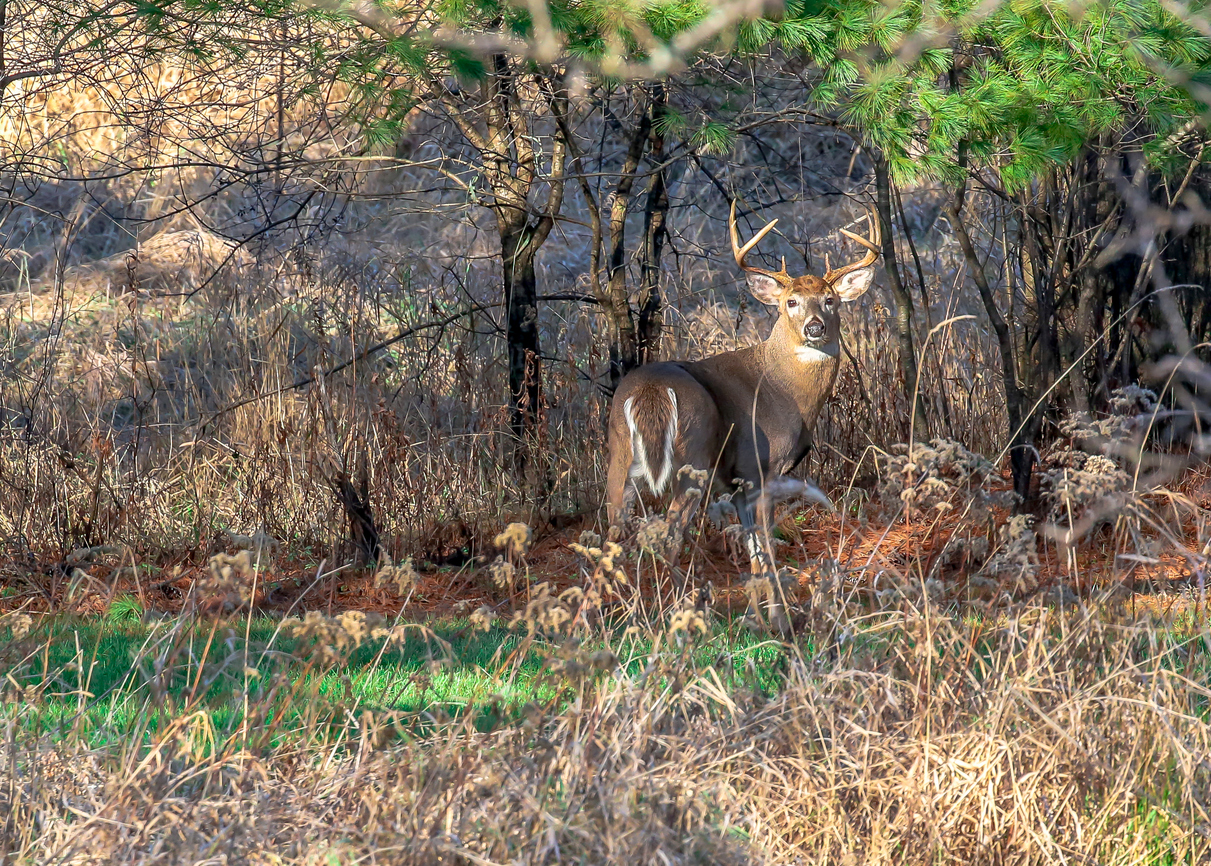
910	548
336	719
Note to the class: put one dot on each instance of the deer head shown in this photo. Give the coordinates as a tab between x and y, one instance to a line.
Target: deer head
810	306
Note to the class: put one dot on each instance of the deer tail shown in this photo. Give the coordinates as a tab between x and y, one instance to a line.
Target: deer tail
652	419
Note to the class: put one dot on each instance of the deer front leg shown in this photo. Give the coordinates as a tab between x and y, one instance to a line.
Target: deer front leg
756	515
767	606
767	590
760	562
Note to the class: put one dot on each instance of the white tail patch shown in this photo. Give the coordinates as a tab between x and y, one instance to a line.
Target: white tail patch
640	467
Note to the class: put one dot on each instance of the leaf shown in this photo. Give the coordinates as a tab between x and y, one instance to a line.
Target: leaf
713	138
671	122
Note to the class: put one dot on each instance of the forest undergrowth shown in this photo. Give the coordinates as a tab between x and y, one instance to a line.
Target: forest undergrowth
929	678
282	582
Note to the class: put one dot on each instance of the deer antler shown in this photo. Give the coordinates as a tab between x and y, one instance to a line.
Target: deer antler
872	246
741	251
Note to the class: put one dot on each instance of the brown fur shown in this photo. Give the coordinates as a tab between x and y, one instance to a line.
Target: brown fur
746	414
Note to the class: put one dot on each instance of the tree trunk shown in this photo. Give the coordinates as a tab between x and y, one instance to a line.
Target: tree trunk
655	231
521	334
1038	290
511	166
904	310
356	505
624	348
1087	294
1022	428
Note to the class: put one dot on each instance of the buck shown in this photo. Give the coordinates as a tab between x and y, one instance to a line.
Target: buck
746	416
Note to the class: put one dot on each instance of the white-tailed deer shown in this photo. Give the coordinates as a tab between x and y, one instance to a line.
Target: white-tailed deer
745	417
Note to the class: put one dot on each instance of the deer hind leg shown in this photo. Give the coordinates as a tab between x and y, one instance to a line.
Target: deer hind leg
644	427
621	491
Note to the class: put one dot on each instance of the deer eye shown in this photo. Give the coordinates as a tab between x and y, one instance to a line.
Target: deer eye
791	304
830	301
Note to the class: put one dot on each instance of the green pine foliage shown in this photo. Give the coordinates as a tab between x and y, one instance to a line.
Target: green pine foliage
1022	85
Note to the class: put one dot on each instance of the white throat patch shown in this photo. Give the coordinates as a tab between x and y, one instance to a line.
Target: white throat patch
810	354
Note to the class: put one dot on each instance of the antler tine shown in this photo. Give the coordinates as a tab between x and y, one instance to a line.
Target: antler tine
741	251
872	247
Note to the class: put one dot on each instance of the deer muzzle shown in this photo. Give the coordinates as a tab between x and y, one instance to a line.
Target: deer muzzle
814	330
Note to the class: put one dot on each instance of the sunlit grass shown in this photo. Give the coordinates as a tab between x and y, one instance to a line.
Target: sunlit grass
97	678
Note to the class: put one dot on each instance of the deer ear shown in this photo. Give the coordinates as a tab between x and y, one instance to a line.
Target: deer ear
854	284
764	288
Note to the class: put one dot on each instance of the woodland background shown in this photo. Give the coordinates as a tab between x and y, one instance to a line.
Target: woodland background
302	303
257	254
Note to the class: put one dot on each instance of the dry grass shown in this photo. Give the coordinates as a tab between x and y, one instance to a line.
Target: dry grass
913	720
907	736
963	685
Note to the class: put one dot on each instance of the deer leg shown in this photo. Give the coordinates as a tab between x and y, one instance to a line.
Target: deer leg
759	561
767	604
756	514
758	510
620	506
621	491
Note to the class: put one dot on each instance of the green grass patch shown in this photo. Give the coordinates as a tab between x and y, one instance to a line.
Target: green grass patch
102	679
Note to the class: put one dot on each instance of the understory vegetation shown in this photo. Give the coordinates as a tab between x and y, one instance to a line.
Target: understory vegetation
310	320
903	734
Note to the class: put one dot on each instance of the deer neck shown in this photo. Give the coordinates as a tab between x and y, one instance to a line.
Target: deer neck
805	374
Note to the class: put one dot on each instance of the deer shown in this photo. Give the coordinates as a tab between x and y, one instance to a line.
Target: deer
744	417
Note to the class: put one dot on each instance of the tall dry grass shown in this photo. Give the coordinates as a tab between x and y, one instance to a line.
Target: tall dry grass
905	736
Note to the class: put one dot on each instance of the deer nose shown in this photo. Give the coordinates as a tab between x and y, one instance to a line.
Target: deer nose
814	329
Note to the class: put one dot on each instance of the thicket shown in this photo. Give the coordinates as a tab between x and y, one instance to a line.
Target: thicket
289	290
427	240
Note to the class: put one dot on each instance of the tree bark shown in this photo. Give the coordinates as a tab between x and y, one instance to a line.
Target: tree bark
904	309
1039	293
521	331
624	348
655	231
1022	429
356	504
511	169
